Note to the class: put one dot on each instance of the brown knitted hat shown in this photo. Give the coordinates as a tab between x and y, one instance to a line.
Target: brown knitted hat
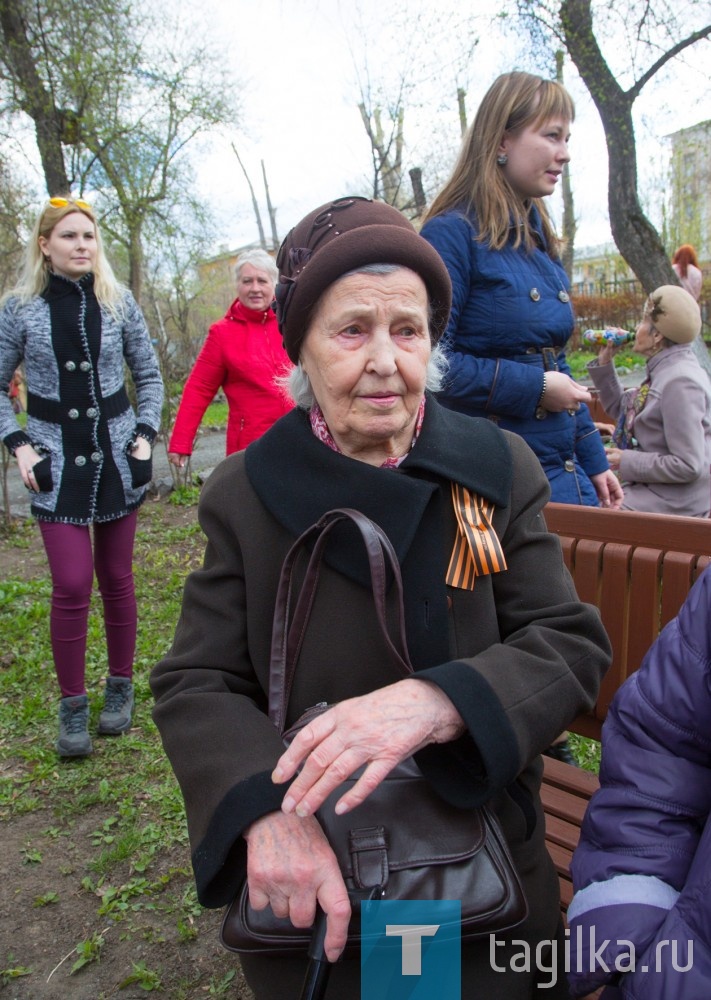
675	313
339	237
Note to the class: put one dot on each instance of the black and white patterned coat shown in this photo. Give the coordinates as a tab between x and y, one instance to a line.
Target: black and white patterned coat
79	415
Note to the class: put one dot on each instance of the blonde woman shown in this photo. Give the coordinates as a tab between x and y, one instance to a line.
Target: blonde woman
85	455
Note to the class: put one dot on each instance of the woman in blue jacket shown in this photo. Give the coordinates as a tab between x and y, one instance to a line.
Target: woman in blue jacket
511	312
640	920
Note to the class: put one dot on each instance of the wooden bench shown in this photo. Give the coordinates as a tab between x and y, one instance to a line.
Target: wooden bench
637	569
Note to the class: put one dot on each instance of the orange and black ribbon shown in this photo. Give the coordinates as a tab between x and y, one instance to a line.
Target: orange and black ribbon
477	549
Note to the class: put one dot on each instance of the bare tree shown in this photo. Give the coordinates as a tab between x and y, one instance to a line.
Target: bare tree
33	94
431	54
117	112
652	36
255	203
270	209
637	239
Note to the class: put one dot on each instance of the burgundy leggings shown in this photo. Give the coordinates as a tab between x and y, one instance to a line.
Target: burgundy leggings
72	566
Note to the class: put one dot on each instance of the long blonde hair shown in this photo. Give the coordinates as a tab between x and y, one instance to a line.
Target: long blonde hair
35	268
513	102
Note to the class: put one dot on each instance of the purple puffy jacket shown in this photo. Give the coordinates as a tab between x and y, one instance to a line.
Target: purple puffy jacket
641	916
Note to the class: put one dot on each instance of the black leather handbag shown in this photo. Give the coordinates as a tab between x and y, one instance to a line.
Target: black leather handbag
403	841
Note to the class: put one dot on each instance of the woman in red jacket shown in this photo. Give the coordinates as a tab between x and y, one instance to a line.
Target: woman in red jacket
243	355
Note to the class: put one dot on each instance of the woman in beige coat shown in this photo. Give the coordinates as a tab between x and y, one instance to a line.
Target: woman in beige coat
662	441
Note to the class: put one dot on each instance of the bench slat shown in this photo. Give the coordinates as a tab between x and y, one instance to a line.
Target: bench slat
637	569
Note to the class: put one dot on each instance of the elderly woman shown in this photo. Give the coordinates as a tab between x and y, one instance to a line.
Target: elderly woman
662	441
243	355
500	666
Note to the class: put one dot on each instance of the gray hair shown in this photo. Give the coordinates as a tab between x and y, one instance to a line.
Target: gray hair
260	259
298	385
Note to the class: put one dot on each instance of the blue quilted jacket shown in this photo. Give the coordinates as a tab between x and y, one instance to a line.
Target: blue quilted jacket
642	871
507	306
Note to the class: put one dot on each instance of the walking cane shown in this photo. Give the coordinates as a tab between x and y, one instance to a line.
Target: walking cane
319	968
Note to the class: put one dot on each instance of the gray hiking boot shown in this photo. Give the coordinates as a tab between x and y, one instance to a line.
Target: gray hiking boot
116	715
74	739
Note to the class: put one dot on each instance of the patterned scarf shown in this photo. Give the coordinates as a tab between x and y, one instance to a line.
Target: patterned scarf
320	429
623	436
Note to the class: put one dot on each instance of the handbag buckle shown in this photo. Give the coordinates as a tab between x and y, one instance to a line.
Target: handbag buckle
368	848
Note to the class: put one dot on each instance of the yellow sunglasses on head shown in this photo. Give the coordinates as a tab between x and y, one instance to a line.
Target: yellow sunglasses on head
63	202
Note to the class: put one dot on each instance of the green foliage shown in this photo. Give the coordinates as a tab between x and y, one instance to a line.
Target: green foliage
13	972
586	752
46	899
624	361
125	793
218	988
142	977
88	951
185	496
216	414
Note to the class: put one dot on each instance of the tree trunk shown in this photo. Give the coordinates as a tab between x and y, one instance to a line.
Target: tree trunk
635	236
270	210
255	204
570	225
135	262
35	101
418	191
461	104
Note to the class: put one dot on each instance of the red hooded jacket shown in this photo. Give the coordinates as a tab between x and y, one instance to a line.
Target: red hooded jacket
243	354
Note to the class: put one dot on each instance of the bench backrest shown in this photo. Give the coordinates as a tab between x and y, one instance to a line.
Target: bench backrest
637	569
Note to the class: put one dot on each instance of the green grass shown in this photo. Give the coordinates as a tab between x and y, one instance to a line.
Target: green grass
578	360
215	415
127	781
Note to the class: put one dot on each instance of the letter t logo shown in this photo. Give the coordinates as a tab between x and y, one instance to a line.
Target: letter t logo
411	935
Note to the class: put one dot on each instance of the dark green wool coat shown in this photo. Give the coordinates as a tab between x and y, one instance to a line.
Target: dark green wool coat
519	655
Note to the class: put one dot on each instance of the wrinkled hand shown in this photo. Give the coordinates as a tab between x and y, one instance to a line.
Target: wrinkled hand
178	460
613	457
607	353
378	730
291	867
563	393
26	458
608	488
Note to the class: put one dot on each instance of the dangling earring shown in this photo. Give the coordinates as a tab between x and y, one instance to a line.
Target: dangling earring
502	159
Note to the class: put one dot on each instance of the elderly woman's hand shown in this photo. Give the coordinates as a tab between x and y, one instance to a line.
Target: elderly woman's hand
378	730
607	485
291	867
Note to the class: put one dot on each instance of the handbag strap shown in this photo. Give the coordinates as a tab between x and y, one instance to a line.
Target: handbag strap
288	635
